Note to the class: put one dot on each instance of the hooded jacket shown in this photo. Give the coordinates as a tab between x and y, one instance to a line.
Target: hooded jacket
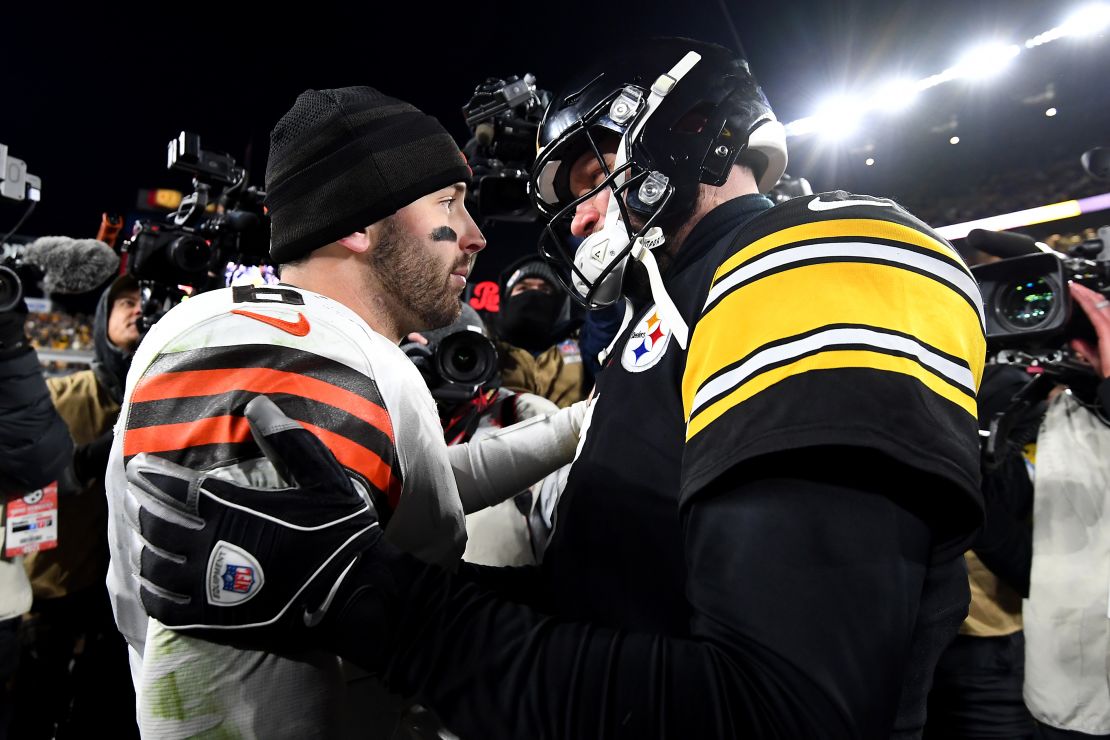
89	403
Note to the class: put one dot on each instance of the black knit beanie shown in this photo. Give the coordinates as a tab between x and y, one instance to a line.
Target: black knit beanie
343	159
532	267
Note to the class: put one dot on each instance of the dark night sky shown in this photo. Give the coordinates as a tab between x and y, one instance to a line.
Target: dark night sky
89	98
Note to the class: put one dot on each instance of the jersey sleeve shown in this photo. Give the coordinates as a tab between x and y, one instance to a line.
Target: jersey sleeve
186	402
836	321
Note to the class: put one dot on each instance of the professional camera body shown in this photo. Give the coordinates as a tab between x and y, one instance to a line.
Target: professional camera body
503	117
222	221
1030	318
456	366
1026	301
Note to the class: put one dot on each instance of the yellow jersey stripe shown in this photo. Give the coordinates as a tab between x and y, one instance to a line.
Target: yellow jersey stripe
806	298
831	360
857	228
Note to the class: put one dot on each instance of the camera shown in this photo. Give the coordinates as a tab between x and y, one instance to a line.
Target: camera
455	367
1026	299
503	116
222	220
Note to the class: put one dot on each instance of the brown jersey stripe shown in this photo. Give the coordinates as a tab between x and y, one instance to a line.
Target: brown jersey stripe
191	383
236	430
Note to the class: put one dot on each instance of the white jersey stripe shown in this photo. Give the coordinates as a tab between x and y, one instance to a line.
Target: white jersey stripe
830	339
863	250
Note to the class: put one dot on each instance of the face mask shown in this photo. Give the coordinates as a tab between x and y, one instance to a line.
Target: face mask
528	319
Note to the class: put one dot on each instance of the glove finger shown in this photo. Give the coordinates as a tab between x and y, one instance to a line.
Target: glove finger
155	527
297	453
170	484
165	606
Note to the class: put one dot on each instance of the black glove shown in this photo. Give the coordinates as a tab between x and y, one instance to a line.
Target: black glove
222	556
13	332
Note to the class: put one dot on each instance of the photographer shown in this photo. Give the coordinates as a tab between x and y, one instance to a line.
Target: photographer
461	372
34	449
1067	681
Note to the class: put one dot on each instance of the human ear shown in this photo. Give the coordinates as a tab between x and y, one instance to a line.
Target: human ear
357	242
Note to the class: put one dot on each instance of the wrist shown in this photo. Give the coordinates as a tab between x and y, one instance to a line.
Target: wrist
368	605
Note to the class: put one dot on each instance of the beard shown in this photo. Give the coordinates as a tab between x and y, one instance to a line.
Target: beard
417	289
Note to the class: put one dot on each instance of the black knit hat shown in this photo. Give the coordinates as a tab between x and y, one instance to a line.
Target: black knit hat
529	267
343	159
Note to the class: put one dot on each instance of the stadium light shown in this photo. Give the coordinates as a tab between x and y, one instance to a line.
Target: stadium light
838	118
982	62
1050	112
954	140
869	161
986	61
1088	21
894	96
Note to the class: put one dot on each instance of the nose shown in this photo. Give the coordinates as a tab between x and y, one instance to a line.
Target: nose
471	241
589	217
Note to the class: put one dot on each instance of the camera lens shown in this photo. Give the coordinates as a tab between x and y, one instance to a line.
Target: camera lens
468	358
11	289
189	253
1027	304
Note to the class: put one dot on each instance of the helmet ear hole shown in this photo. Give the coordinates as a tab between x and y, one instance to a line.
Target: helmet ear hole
695	119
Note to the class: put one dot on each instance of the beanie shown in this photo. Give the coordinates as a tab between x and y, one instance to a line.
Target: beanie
343	159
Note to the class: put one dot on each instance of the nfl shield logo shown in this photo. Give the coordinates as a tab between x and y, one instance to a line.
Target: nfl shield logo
238	578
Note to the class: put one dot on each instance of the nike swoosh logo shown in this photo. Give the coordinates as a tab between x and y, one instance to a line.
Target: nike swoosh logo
313	618
298	328
828	205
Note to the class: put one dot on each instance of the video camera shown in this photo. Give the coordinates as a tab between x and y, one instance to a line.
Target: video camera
503	116
1026	299
222	221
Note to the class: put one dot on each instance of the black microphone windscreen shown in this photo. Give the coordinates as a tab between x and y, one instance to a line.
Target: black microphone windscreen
1002	243
72	265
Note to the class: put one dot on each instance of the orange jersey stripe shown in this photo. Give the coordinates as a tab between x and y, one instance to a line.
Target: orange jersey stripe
189	383
235	429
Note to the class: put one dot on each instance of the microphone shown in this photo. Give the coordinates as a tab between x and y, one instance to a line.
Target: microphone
71	265
1002	243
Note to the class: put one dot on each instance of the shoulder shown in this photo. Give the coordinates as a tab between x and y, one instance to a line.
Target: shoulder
81	381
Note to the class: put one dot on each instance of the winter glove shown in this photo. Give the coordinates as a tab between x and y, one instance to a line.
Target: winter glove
218	555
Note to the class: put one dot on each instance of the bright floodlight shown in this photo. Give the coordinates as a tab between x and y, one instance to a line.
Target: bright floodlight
869	161
954	140
894	96
1088	20
838	118
986	61
1050	112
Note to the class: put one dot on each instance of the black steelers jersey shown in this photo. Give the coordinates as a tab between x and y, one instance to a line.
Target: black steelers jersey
833	320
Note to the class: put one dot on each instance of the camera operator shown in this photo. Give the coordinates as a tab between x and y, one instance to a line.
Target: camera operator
60	691
539	349
977	689
1066	626
34	449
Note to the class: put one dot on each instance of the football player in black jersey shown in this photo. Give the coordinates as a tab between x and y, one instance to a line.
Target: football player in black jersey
762	533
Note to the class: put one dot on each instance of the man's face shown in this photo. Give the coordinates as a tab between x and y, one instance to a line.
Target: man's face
123	328
531	283
586	174
423	256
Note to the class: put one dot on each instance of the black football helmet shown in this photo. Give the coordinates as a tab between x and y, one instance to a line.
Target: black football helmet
685	112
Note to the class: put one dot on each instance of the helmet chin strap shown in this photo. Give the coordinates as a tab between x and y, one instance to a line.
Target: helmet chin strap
598	249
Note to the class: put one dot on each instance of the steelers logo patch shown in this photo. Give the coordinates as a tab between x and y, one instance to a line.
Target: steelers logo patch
646	344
